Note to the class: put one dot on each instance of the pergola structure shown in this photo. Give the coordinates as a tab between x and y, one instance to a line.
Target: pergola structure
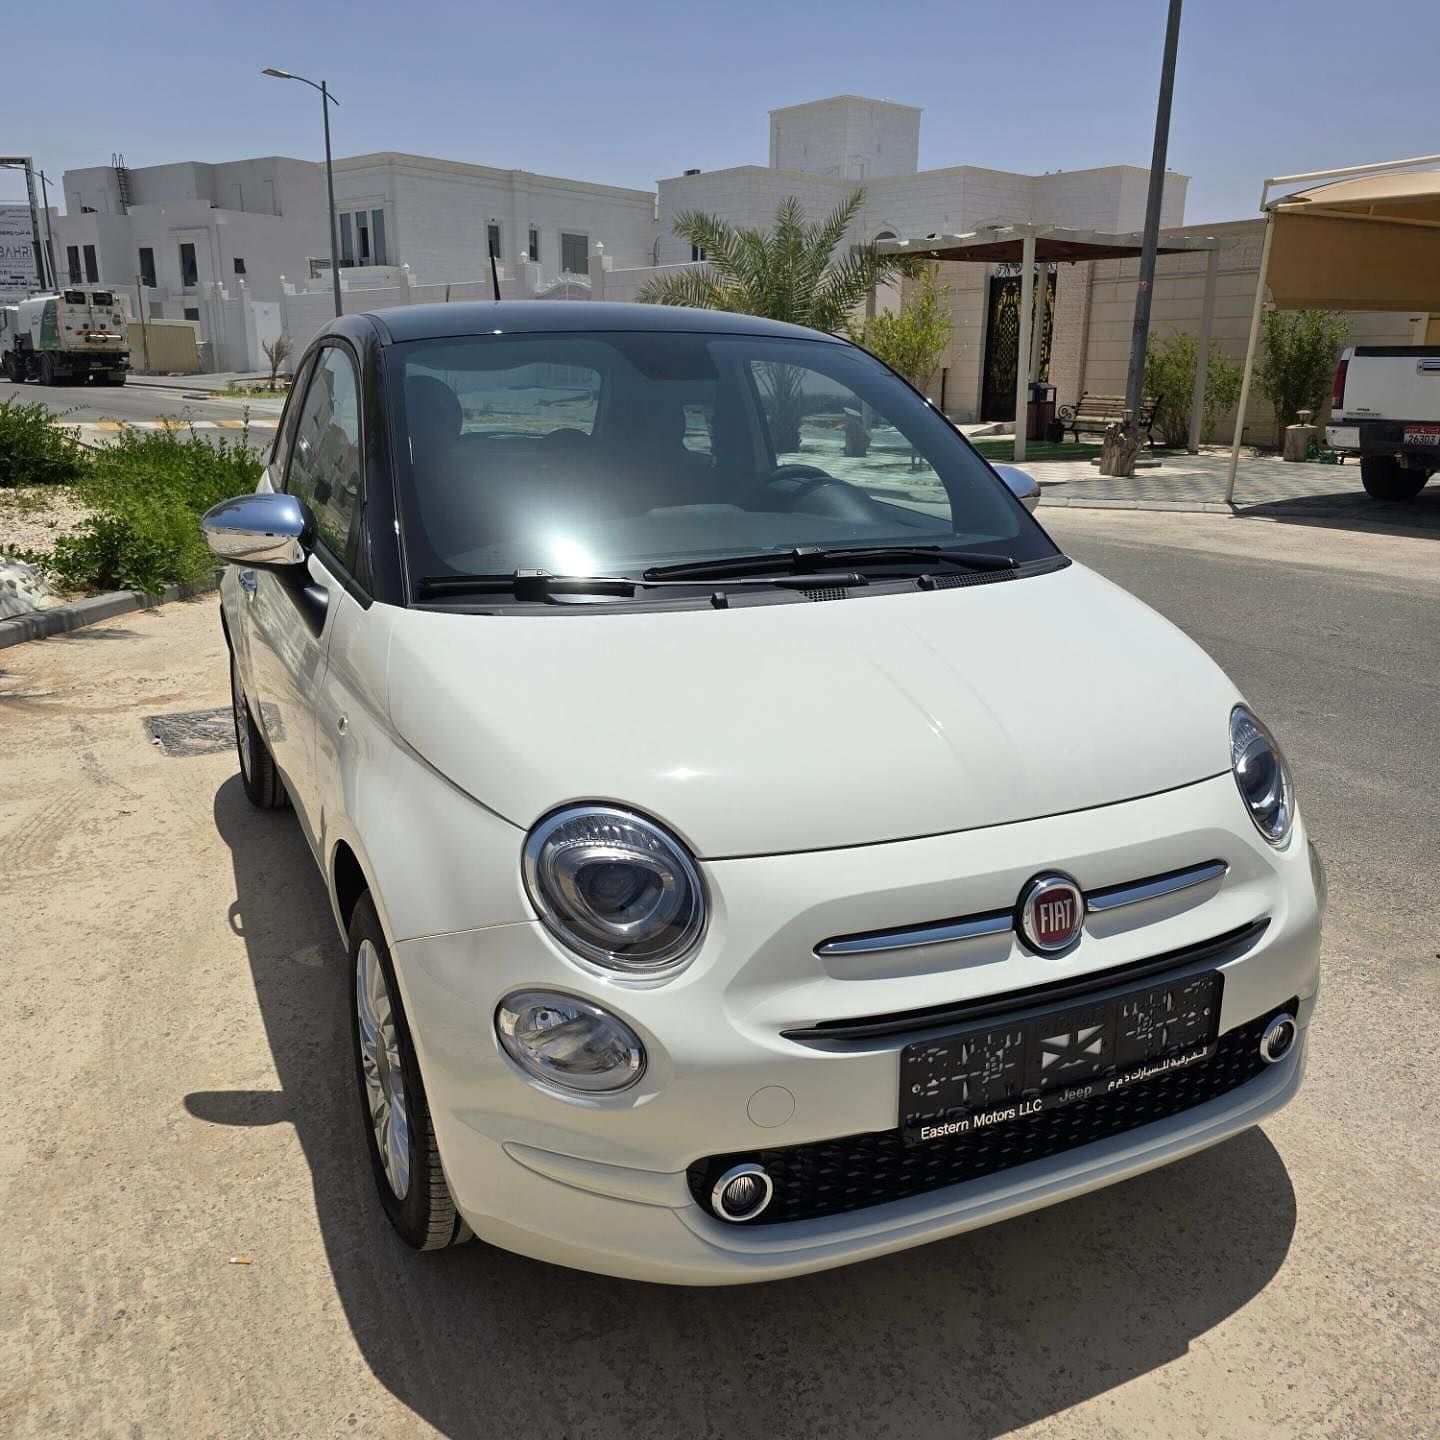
1368	242
1027	245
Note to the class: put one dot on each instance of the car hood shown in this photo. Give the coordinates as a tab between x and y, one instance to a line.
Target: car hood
802	726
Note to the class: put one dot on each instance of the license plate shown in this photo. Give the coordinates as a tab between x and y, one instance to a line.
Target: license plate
1422	434
1011	1073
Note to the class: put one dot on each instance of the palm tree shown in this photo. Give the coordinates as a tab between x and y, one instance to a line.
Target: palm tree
788	272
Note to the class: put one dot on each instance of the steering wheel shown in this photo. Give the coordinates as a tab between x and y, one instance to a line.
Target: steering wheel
806	478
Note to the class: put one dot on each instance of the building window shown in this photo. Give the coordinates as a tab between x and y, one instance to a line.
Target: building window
192	312
534	244
72	263
697	253
189	274
239	265
492	240
147	266
362	238
157	309
92	270
574	254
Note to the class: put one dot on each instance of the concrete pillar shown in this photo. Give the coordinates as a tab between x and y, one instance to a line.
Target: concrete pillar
1022	368
1202	357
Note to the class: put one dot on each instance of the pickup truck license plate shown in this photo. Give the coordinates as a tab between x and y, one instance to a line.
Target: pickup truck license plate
1422	435
1004	1074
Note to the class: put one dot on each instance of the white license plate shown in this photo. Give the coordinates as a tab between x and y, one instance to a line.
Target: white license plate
1422	435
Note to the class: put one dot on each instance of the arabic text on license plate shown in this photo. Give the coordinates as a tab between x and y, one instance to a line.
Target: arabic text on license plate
1422	434
1006	1072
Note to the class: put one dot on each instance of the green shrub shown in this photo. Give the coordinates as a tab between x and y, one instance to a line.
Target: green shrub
1297	361
148	491
33	450
1170	374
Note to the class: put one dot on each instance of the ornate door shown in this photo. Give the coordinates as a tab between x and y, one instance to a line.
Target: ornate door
1002	344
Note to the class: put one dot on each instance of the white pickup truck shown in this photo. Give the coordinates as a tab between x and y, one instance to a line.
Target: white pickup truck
1386	409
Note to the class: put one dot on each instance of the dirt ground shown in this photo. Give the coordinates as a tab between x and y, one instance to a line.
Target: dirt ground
180	1102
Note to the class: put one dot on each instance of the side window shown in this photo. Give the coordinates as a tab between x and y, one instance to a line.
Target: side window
285	435
325	456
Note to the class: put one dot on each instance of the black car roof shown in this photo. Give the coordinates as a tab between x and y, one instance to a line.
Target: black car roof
430	322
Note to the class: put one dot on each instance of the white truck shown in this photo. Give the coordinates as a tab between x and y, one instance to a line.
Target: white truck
71	335
1386	410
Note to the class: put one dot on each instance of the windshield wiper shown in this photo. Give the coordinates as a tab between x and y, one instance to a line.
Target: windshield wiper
805	558
527	584
530	585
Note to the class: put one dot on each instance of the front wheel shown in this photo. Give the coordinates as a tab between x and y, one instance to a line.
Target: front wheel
1385	478
114	377
263	786
399	1133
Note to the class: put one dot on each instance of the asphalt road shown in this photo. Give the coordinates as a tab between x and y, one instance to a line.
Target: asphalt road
178	1096
131	403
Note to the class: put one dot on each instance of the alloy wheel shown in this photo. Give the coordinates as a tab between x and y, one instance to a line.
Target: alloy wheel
380	1062
242	717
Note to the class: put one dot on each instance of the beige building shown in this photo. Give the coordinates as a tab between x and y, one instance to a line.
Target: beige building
1088	341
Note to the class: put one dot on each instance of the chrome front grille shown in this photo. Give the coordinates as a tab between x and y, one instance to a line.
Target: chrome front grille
997	922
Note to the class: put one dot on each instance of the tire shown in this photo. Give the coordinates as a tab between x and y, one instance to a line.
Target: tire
47	369
14	369
1383	477
399	1133
114	377
263	786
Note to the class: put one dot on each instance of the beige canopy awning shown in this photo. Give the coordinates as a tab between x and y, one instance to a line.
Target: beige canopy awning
1372	243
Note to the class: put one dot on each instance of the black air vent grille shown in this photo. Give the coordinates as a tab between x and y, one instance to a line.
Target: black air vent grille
831	1177
834	592
984	577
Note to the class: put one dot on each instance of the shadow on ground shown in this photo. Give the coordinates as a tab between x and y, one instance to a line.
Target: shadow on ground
969	1337
1355	510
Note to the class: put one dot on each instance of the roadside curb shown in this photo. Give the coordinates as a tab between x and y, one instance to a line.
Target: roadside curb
1185	507
60	619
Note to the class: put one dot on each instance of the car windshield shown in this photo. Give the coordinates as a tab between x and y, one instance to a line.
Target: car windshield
617	452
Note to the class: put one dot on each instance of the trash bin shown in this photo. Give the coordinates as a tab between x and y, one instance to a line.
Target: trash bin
1040	412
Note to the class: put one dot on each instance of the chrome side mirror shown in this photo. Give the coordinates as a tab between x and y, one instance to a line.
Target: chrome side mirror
273	532
1022	486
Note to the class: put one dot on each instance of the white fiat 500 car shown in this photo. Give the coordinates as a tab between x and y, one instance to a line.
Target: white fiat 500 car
758	846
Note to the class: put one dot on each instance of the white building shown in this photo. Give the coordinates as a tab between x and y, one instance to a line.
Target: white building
822	150
243	247
178	229
443	218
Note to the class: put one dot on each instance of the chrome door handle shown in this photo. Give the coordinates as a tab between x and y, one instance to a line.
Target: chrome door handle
249	582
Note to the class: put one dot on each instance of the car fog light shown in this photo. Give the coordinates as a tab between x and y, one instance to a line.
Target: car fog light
1279	1036
568	1042
741	1193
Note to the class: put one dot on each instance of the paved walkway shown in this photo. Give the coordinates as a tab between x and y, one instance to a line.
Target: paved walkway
1265	485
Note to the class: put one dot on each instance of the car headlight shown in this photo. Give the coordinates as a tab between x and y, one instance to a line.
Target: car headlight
1260	772
615	888
568	1042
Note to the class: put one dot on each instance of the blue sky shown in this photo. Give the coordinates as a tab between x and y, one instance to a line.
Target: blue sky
631	90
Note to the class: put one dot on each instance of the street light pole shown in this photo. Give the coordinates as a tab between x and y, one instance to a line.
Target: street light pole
1135	381
326	101
49	234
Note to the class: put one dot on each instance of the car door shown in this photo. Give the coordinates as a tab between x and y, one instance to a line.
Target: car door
290	621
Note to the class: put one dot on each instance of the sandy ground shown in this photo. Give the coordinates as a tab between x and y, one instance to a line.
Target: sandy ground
179	1097
34	517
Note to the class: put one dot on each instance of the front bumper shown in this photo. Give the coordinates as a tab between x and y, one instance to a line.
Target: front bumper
600	1183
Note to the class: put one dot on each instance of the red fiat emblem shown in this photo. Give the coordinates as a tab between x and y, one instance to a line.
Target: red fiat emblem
1052	909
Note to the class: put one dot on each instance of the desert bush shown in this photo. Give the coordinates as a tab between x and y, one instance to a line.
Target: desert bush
33	450
148	491
1170	373
1297	361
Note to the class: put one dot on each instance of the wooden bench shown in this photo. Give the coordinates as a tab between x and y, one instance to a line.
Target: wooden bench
1094	414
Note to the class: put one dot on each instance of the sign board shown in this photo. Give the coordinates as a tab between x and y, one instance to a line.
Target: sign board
17	254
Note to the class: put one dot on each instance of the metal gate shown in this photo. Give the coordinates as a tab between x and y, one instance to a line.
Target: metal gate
1002	344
